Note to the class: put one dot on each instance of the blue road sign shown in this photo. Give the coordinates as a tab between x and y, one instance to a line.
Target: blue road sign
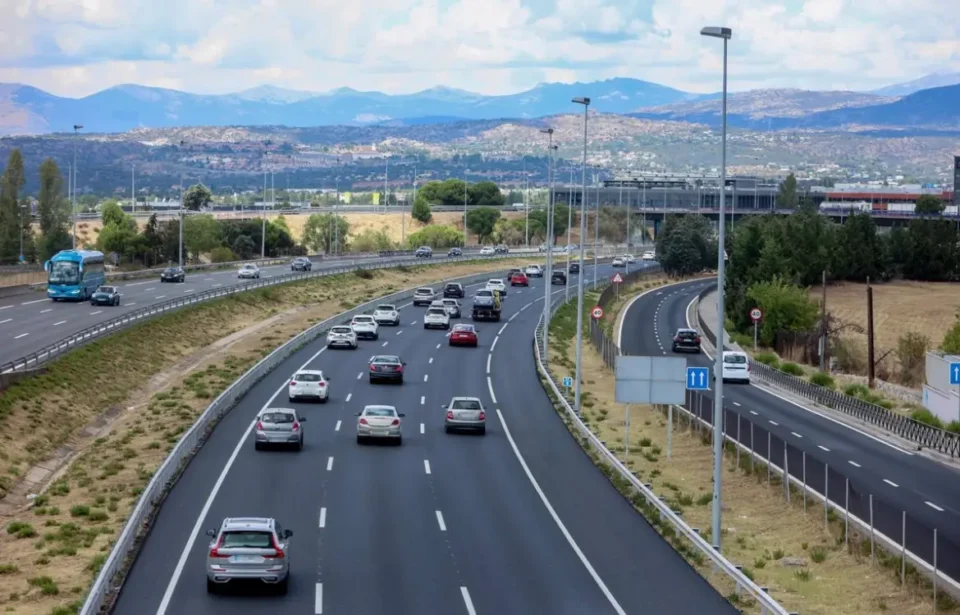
698	378
567	381
955	373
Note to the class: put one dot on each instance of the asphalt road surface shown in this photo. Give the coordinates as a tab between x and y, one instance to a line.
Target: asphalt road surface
518	521
898	479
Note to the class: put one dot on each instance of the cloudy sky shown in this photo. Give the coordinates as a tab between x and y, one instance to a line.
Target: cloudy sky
76	47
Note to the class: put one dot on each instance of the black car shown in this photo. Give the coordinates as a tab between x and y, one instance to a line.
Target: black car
424	252
386	368
501	249
455	252
301	263
686	340
453	290
574	267
173	274
558	277
105	295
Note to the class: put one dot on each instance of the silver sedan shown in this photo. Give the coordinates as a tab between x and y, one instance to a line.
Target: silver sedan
465	413
381	423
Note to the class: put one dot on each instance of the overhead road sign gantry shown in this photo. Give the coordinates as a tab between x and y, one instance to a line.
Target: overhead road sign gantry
698	378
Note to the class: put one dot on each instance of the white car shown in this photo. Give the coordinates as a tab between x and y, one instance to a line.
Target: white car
387	315
629	258
497	285
618	262
436	317
380	422
342	335
487	251
249	271
649	255
736	366
309	384
365	326
534	271
452	306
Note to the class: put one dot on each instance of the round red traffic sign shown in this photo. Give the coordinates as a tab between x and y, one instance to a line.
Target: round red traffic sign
756	314
597	313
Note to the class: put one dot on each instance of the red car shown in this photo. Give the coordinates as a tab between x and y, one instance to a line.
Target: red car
464	335
519	279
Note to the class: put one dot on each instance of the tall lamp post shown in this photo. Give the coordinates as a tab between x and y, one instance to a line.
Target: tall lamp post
583	231
73	203
566	287
336	214
549	238
725	34
180	208
464	205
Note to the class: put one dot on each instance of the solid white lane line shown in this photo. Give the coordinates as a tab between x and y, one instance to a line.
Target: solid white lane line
823	448
489	356
202	517
426	466
854	464
6	307
494	344
21	335
422	428
360	375
443	526
323	517
349	395
426	377
57	324
556	519
318	600
413	323
795	434
934	506
329	464
34	301
400	331
423	400
891	483
490	387
467	601
736	403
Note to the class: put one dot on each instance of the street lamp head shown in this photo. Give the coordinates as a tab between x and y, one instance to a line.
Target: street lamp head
717	32
582	101
77	126
547	131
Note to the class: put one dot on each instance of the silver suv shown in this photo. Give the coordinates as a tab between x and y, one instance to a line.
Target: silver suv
249	549
279	427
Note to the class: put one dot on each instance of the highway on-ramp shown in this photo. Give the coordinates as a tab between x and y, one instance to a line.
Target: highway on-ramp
516	521
898	479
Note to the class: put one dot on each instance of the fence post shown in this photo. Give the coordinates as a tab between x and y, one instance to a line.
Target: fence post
753	453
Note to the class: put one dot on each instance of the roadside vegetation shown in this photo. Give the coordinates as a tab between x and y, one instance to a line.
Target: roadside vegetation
79	443
781	546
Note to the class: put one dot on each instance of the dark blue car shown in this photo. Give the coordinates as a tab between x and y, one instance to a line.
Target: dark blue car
105	295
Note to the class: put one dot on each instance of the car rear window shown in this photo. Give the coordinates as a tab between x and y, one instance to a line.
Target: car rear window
385	308
687	335
735	359
308	377
363	319
276	417
424	291
453	286
439	311
247	540
467	328
378	412
342	330
466	404
387	360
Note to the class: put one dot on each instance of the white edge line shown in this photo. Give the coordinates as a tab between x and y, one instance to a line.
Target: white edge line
490	387
891	483
563	529
933	506
494	344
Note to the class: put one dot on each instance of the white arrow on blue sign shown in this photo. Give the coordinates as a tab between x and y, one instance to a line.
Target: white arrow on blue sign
567	381
955	373
698	378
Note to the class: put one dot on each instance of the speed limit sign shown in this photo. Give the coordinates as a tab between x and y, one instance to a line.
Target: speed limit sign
756	314
597	313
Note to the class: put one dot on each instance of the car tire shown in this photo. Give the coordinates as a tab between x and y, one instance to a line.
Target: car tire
446	429
212	587
300	445
426	326
360	440
400	441
257	446
400	381
283	586
117	302
483	430
376	336
324	400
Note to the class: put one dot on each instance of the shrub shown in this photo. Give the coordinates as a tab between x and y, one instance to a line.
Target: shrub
222	254
791	369
923	415
911	352
767	358
823	379
79	510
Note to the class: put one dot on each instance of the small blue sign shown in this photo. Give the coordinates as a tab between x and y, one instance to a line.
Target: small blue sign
955	373
698	378
567	381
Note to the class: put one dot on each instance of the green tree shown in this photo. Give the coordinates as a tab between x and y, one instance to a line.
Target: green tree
320	233
112	213
686	245
201	234
785	307
53	211
244	247
371	241
152	242
482	221
485	193
11	221
929	204
951	341
435	236
787	196
421	209
197	197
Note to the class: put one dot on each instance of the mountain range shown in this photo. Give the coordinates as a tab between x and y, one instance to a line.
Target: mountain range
928	103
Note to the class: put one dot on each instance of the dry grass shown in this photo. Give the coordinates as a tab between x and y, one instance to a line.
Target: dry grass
760	528
91	455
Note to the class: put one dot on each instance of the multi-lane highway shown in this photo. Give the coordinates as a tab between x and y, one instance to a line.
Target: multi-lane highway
30	322
898	479
518	521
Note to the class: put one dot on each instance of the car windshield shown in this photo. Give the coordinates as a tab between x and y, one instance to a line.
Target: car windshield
308	377
385	308
64	272
341	330
465	404
466	328
276	417
106	289
363	319
249	267
246	540
735	359
170	270
379	411
387	360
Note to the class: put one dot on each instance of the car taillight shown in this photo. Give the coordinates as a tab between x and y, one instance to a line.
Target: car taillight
395	422
293	383
276	547
483	415
259	426
322	385
363	421
748	367
400	368
296	426
449	414
676	339
373	368
215	550
697	339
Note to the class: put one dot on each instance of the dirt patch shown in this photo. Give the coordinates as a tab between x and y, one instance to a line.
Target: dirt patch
803	563
157	382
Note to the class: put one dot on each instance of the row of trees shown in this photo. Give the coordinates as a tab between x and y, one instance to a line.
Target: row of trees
16	231
454	192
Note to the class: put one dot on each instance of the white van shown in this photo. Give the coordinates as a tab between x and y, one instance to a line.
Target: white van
736	366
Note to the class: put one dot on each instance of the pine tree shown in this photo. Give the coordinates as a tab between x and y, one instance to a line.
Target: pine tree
53	211
10	221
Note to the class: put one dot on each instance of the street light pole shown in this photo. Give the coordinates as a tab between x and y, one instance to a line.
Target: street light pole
583	221
596	234
549	239
464	205
566	287
336	214
725	34
180	250
263	219
73	202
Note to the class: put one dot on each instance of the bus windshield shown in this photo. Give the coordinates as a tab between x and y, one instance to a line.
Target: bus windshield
64	272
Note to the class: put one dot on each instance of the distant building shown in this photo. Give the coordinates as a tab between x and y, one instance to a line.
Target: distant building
956	181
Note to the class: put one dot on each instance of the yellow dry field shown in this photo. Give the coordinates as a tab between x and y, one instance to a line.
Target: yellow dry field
89	456
778	544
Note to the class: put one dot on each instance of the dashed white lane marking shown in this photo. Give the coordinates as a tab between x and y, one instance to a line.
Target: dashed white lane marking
438	346
337	427
467	601
160	297
422	428
823	448
360	375
190	290
385	344
426	466
426	377
46	310
489	356
323	517
736	403
854	464
891	483
443	526
57	324
329	464
400	331
97	312
146	290
934	506
129	304
431	360
349	395
3	322
795	434
423	400
318	600
774	423
413	323
21	335
35	301
754	413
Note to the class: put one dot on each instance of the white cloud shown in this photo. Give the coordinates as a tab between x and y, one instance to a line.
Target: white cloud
76	47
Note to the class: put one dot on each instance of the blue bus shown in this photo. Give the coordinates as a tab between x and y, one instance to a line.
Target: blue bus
74	274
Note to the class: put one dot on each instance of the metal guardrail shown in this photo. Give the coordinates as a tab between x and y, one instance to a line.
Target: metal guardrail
767	603
124	550
903	426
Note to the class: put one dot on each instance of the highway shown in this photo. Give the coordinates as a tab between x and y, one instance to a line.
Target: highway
31	322
898	479
516	521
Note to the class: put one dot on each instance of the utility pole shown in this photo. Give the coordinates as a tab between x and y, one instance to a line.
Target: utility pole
596	235
823	323
526	206
133	189
583	220
386	175
566	287
73	203
336	214
871	360
549	240
180	250
464	205
263	219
